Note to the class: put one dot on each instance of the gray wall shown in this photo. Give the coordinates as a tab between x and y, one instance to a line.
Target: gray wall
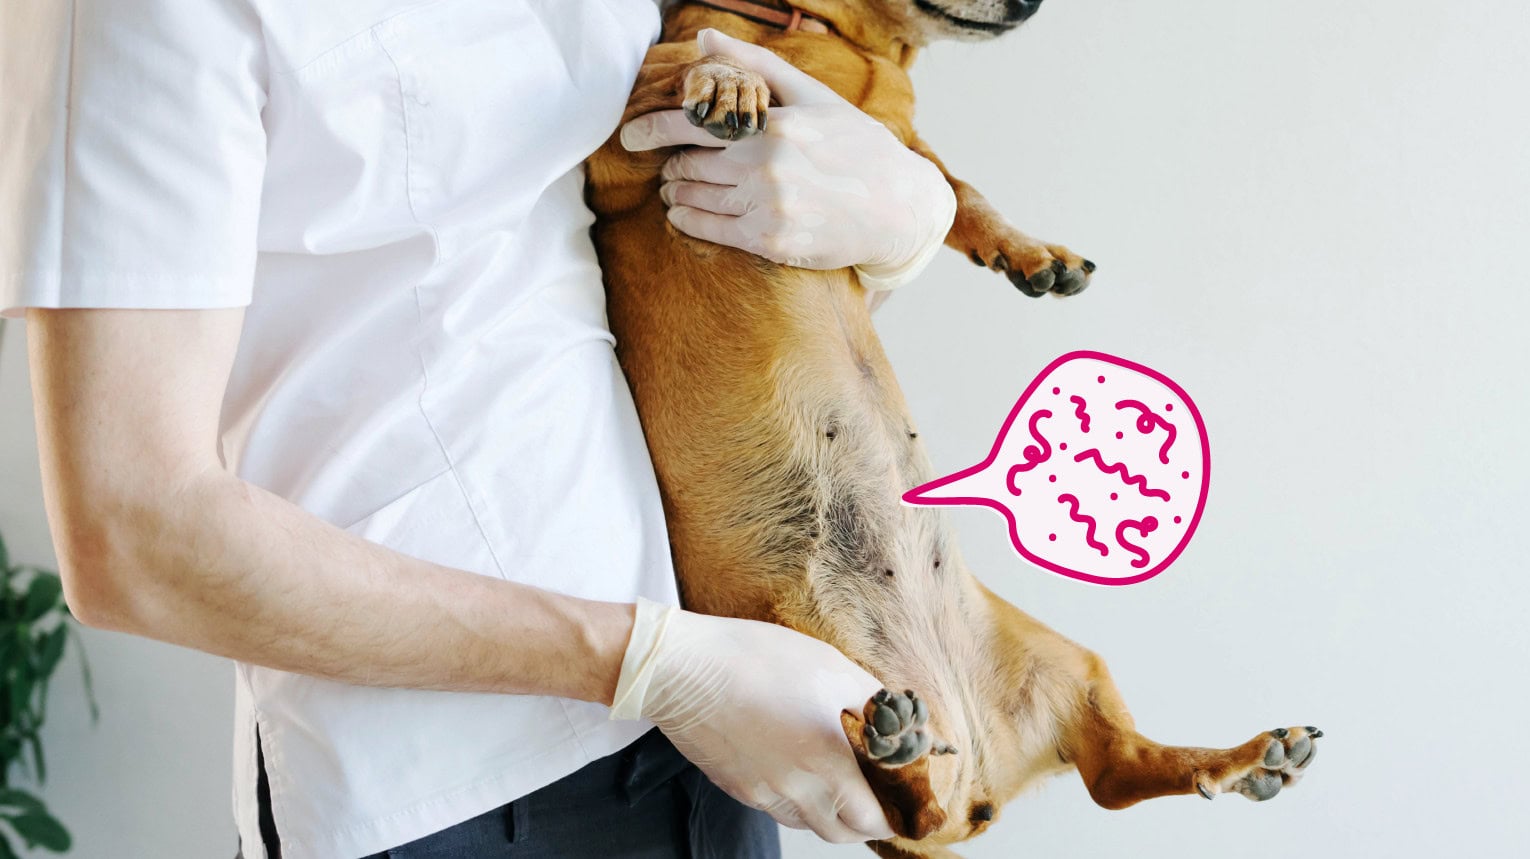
1304	212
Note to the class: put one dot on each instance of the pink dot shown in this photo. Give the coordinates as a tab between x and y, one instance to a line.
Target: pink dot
1114	496
1168	407
1118	435
1063	446
1052	537
1100	379
1176	520
1057	390
1185	475
1051	478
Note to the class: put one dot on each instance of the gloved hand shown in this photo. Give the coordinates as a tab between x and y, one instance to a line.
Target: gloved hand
756	707
824	186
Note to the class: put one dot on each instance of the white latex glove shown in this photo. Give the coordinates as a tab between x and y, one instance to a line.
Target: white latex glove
824	186
756	707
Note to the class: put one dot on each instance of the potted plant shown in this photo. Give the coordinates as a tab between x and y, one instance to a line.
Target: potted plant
35	624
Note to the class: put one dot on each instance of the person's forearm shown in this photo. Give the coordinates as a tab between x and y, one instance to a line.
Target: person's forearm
225	567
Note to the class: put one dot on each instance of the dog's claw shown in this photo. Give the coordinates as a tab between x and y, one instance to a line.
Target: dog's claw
1201	789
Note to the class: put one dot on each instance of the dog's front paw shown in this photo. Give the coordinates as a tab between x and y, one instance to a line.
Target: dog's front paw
724	98
895	729
1034	267
1269	762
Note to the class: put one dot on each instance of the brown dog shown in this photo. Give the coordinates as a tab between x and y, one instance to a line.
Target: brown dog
783	445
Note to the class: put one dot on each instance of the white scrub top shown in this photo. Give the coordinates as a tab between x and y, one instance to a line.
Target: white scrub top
394	189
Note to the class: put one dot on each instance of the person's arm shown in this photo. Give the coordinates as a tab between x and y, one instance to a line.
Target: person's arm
156	538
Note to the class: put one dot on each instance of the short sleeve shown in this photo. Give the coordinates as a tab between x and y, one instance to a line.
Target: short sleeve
131	153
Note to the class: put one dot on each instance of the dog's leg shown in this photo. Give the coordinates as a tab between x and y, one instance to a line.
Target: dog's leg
1033	266
1120	767
893	749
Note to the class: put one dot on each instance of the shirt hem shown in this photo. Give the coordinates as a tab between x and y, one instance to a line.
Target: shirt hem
53	290
442	810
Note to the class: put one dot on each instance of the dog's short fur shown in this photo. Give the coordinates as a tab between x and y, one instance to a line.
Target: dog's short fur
783	446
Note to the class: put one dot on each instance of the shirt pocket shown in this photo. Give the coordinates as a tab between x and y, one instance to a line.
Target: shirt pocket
500	100
337	156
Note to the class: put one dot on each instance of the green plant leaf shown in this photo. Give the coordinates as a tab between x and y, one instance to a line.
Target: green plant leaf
52	650
16	798
6	852
44	595
39	829
37	757
5	555
20	683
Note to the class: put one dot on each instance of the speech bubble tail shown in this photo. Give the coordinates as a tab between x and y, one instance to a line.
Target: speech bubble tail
951	489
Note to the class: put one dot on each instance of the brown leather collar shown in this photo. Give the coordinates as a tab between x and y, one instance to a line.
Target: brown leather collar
789	19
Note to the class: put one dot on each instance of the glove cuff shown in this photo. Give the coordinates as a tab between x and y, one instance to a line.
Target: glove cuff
883	276
878	278
648	626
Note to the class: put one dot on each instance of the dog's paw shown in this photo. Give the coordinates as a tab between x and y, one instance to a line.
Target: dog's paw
724	98
1034	267
1271	761
895	729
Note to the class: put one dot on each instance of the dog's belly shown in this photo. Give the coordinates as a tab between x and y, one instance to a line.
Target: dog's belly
780	438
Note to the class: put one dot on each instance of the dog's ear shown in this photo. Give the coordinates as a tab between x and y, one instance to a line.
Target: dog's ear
905	793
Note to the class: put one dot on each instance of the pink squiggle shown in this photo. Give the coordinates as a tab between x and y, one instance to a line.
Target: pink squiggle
1078	412
1033	454
1086	519
1143	527
1119	468
1146	421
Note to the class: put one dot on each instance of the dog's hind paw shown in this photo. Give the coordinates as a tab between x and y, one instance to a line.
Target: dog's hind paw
895	729
1274	760
729	101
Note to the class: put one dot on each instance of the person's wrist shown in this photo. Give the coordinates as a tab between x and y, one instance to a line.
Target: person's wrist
601	631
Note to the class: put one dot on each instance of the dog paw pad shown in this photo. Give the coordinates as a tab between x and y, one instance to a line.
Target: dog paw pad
895	729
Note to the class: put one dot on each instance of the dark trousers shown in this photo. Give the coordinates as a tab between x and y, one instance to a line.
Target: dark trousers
646	801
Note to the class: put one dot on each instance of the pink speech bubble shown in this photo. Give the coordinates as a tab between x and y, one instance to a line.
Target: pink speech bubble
1104	476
